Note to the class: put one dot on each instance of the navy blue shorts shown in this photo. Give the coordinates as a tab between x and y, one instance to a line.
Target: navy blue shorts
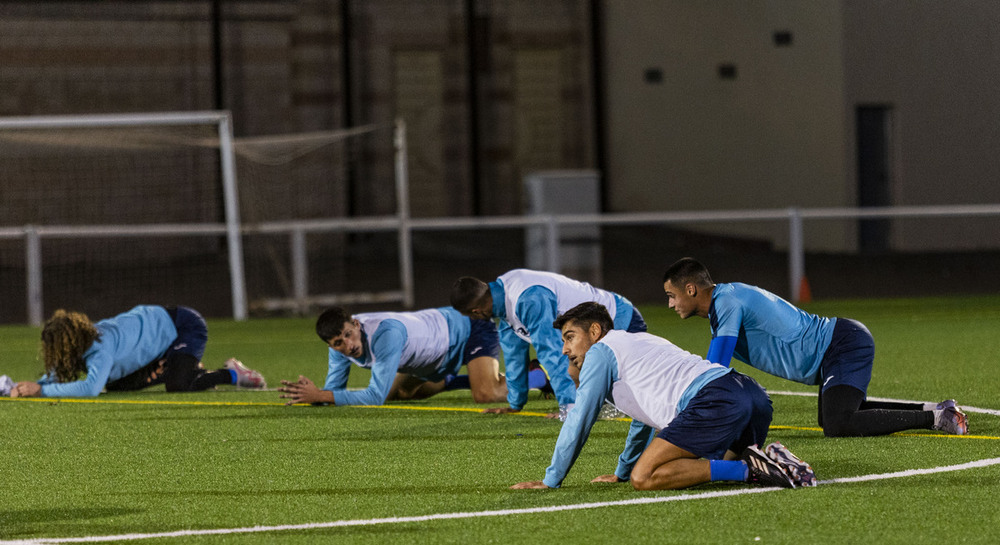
849	358
730	413
637	324
483	341
192	332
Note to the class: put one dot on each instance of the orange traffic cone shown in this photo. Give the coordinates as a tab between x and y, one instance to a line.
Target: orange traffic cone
805	294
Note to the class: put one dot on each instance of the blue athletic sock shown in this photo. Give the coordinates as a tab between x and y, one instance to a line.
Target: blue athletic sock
728	470
537	378
233	376
456	382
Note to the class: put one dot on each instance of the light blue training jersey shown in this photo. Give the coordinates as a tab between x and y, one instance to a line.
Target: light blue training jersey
527	302
128	342
771	334
646	377
426	343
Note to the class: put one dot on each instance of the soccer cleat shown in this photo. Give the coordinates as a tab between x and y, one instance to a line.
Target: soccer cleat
951	420
764	471
610	412
564	411
245	376
801	473
945	404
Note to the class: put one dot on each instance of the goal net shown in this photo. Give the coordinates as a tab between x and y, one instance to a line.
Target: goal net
100	213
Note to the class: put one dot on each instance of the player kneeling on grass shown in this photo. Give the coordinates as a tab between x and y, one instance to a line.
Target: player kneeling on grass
145	346
707	413
412	355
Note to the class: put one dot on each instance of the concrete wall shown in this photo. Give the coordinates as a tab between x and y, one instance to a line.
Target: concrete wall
937	64
772	136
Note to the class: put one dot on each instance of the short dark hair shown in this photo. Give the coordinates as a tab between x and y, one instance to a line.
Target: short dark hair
585	314
466	292
687	270
330	324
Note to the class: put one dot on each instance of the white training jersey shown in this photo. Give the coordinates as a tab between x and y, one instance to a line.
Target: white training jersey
568	292
427	339
653	376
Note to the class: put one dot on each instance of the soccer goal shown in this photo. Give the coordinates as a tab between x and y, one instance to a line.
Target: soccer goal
102	212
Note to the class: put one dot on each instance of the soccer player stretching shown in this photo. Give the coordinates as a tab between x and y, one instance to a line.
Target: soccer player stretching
527	302
706	414
145	346
770	334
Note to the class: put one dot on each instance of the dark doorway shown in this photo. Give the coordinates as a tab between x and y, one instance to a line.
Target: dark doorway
874	123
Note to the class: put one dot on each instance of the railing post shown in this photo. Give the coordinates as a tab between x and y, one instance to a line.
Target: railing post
796	254
552	244
300	269
33	274
403	213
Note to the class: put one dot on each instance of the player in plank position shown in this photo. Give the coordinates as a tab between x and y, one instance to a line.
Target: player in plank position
527	302
770	334
145	346
706	414
412	355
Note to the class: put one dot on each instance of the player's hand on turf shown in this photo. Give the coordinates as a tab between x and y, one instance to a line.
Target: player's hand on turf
500	410
26	389
301	391
606	479
529	484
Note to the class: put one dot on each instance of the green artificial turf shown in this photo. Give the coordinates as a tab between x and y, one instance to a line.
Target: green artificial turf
152	462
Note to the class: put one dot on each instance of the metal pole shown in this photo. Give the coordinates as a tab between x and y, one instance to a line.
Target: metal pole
796	254
33	274
237	280
552	244
403	213
300	272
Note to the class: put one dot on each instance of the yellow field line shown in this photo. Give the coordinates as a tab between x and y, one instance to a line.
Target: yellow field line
55	400
897	434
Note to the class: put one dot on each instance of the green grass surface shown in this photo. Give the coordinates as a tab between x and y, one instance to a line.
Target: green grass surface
150	462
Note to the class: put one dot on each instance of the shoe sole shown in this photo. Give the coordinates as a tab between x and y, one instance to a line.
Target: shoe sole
801	472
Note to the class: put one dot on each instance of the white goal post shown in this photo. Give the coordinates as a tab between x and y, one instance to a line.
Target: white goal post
112	209
35	232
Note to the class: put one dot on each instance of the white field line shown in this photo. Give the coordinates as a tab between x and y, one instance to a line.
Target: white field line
479	514
965	408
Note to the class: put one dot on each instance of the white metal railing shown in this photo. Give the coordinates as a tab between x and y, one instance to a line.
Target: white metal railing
404	225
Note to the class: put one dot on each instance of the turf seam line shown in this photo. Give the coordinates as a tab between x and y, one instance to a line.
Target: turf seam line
492	513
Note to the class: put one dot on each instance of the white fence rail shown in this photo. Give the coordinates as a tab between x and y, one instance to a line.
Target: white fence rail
404	225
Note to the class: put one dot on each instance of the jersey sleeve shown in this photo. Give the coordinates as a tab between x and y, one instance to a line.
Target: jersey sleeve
99	363
721	350
728	313
639	436
387	350
537	308
515	364
338	369
596	377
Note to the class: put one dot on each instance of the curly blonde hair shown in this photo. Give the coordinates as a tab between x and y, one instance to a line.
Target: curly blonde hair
65	338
